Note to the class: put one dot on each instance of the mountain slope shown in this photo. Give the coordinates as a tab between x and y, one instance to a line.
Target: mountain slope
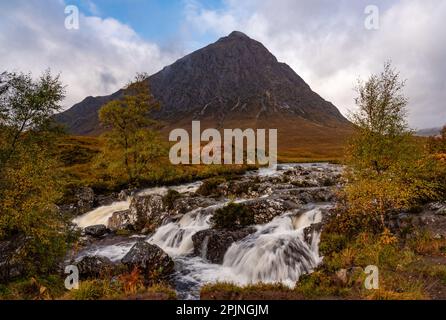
234	82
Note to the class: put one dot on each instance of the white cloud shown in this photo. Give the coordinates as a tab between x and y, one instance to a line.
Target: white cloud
326	43
97	59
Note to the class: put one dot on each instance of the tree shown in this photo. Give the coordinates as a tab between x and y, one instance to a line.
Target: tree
382	130
130	144
30	181
387	168
26	109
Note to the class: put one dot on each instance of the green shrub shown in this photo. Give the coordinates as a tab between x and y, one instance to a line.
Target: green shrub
210	186
233	216
170	197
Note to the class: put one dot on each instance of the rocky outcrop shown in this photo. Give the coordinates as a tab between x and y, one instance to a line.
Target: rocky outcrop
186	204
212	244
146	212
96	267
11	264
150	260
266	209
97	231
121	220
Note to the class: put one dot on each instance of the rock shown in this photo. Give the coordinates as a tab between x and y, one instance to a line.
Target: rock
105	200
147	211
438	207
123	195
311	231
11	264
212	244
85	200
342	276
266	209
97	231
186	204
120	220
150	260
95	267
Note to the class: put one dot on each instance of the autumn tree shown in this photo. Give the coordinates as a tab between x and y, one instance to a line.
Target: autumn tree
387	169
130	144
30	183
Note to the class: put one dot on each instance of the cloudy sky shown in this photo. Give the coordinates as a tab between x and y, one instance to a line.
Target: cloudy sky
326	42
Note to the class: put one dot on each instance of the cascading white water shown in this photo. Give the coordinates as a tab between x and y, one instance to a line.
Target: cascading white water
276	252
102	214
175	238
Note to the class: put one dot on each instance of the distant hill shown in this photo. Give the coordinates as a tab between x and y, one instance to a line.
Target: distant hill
233	83
428	132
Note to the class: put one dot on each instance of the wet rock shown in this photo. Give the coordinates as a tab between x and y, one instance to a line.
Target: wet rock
311	232
438	207
147	211
11	264
85	200
120	220
97	231
266	209
150	260
186	204
212	244
105	199
96	267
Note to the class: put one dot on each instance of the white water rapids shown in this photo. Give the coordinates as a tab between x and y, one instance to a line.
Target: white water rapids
276	252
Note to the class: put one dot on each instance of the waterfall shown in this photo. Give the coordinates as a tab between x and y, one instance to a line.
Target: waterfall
176	237
277	252
102	214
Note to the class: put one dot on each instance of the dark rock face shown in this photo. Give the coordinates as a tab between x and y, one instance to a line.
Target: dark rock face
11	265
266	209
95	267
186	204
120	220
147	211
149	259
233	79
212	244
97	231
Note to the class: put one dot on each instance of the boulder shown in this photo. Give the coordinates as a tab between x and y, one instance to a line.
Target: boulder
95	267
11	264
85	200
212	244
266	209
186	204
150	260
147	212
120	220
97	231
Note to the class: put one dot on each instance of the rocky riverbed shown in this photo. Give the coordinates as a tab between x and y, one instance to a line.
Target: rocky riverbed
172	233
178	237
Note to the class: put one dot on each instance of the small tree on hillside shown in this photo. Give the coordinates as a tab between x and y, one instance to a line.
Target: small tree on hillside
130	144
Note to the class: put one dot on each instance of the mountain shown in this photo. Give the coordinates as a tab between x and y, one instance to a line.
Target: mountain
233	83
428	132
